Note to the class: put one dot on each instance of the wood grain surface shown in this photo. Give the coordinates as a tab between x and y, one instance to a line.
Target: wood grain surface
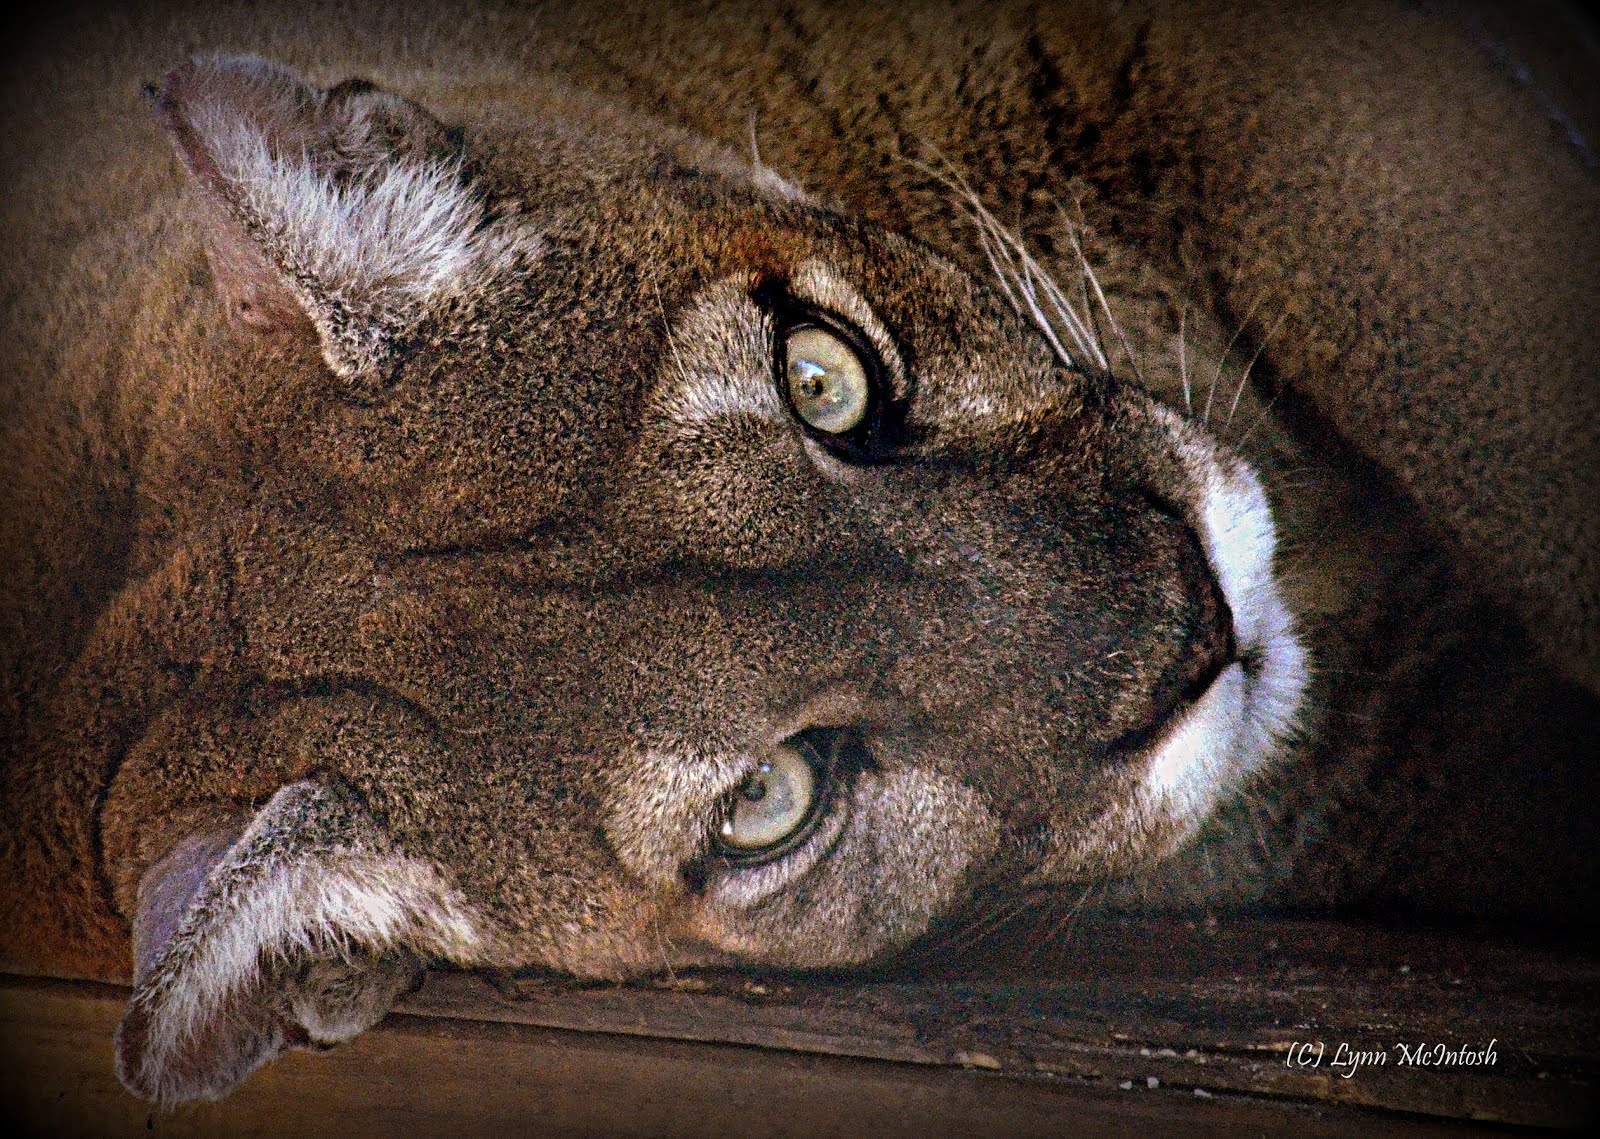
1123	1026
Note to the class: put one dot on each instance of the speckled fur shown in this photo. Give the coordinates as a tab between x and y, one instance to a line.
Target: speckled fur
456	546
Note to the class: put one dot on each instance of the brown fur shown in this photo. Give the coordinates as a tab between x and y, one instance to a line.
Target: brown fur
269	531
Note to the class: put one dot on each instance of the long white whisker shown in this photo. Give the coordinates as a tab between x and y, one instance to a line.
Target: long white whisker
1082	333
1031	296
993	254
1183	363
1244	377
1031	290
1016	283
1094	281
1019	278
1227	350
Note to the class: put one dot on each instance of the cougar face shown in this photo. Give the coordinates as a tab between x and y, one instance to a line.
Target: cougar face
1010	620
612	559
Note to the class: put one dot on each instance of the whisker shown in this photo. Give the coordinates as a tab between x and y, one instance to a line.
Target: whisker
1062	929
1244	377
1260	830
672	343
1266	409
1227	350
1029	288
953	939
663	947
973	932
1093	280
1183	363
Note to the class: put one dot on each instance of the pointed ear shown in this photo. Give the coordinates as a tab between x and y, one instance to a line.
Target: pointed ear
347	211
299	926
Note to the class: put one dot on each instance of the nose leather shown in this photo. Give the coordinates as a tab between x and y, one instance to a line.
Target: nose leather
1209	645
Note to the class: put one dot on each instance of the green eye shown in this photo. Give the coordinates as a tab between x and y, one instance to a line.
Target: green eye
828	384
772	805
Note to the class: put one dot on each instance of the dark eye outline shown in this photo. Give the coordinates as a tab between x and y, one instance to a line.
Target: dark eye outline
873	440
822	755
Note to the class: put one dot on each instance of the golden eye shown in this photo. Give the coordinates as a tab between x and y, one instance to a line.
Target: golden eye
771	805
828	384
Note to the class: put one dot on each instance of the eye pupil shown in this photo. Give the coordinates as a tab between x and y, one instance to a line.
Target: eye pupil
813	378
753	789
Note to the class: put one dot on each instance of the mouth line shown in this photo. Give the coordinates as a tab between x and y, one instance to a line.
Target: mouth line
1192	757
1149	737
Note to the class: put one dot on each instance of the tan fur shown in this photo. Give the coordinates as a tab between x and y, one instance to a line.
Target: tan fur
416	449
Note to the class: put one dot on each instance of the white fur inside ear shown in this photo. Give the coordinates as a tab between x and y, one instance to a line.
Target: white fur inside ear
321	907
410	229
370	247
308	887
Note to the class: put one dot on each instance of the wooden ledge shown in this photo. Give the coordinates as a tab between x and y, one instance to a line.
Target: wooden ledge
1149	1026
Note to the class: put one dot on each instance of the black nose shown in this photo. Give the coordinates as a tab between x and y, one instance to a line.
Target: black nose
1199	645
1208	641
1205	644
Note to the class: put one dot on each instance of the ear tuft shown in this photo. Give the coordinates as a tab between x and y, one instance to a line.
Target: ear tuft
301	931
352	204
